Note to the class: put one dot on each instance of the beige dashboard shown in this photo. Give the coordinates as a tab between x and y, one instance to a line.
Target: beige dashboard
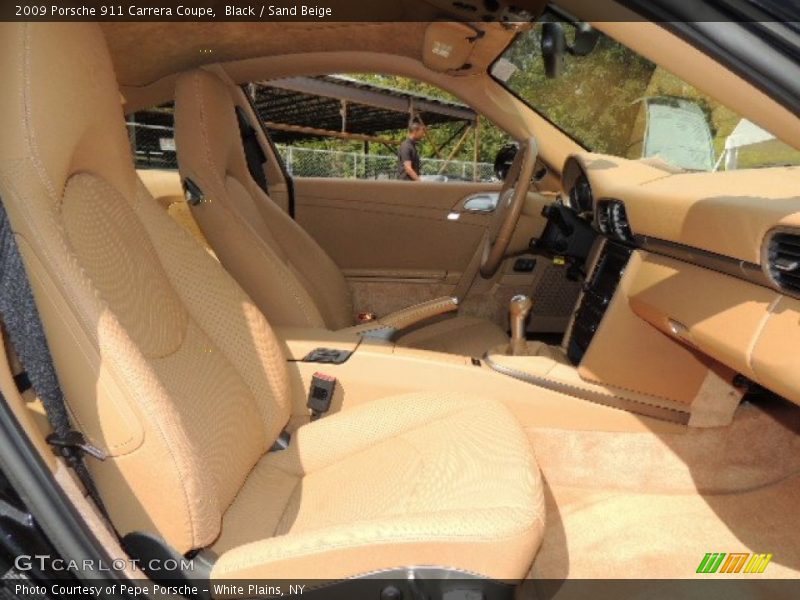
725	212
698	274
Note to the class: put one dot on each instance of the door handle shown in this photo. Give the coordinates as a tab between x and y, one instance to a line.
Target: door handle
485	202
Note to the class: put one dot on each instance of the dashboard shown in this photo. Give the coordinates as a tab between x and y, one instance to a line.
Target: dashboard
718	265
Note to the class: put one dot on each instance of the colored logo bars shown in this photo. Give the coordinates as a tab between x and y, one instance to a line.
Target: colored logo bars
735	562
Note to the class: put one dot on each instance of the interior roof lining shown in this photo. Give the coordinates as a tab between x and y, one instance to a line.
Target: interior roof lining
144	53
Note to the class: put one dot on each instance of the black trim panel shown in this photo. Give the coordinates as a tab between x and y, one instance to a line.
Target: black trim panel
276	155
598	291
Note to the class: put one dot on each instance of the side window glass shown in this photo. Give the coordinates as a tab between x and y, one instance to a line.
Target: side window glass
352	126
152	136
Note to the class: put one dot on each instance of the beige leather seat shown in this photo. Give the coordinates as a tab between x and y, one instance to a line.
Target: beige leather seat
288	275
169	367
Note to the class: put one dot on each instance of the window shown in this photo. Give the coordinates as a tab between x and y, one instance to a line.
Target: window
347	126
152	136
614	101
351	126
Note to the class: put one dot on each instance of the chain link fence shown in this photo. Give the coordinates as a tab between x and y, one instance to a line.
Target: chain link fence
313	162
154	148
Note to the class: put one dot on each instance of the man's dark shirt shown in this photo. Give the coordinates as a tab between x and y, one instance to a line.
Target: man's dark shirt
408	152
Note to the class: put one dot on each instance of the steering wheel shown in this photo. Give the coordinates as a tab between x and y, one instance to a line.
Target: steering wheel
509	207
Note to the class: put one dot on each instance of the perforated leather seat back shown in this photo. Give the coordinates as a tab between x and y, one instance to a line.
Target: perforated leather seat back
283	269
166	363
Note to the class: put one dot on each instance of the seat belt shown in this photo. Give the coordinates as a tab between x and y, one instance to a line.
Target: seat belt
25	333
253	152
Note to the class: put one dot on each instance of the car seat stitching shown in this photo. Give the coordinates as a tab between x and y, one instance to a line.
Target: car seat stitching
220	178
251	561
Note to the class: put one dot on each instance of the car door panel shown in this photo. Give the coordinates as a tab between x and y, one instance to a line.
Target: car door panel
392	225
393	239
405	242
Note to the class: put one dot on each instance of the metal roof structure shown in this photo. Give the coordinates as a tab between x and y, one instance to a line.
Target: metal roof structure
297	108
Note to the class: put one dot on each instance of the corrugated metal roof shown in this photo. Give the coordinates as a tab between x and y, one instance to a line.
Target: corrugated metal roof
370	109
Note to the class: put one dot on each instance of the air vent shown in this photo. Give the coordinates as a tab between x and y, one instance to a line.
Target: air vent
602	217
782	260
612	220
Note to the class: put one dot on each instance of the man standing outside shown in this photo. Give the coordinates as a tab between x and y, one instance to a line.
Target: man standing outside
408	167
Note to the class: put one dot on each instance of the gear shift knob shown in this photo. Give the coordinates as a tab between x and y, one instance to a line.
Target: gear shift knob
518	310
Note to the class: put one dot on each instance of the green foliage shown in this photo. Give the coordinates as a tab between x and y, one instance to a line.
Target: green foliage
491	138
404	84
445	135
597	100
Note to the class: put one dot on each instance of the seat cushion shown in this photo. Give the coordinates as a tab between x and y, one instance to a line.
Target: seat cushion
424	479
468	336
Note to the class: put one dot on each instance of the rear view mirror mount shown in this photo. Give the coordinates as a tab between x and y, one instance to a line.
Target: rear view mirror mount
555	47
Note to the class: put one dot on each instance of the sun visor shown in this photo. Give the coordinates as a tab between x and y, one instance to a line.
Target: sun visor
447	46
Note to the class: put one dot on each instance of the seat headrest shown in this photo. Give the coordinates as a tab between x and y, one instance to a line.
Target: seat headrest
60	106
206	130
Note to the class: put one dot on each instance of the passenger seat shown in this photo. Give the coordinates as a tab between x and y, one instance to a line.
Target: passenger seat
289	276
169	367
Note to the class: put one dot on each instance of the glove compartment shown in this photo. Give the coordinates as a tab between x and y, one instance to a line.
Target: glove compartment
719	315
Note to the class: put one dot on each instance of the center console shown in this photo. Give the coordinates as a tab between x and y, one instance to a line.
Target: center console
376	368
614	353
598	291
562	368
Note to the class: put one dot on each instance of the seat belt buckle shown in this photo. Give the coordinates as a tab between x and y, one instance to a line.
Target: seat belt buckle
192	192
74	443
320	394
282	443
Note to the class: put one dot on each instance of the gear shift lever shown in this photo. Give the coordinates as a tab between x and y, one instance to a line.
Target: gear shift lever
518	311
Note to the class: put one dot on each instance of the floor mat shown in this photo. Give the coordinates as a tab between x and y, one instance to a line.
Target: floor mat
613	534
761	447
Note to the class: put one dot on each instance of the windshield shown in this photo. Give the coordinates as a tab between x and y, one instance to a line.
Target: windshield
613	101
